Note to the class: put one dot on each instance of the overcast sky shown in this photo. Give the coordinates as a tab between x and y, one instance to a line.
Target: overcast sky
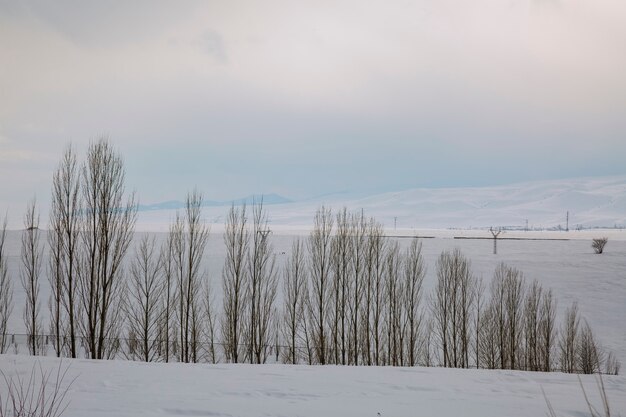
303	98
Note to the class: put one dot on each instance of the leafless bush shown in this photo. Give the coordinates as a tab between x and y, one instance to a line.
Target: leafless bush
593	412
598	244
611	364
43	394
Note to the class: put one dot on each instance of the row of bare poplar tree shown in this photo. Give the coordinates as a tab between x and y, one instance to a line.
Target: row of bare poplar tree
350	295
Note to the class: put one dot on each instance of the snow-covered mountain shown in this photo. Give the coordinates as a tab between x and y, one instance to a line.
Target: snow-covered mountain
590	202
268	199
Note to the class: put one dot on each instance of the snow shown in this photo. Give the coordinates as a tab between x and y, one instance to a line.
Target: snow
106	388
568	267
591	202
565	263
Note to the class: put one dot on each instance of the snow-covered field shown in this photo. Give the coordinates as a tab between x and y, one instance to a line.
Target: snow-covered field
562	261
118	388
569	267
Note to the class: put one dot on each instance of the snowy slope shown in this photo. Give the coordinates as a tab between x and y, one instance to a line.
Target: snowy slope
591	202
117	388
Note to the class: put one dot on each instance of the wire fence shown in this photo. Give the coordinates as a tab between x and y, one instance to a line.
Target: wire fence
201	351
161	350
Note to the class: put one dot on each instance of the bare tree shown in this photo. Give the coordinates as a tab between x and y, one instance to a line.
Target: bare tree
358	236
319	246
589	351
532	319
479	289
32	255
341	257
452	306
441	308
210	325
599	244
464	309
191	239
514	284
6	290
414	272
178	248
547	330
394	313
261	286
167	261
568	339
507	295
236	239
64	236
375	292
55	276
295	292
488	342
426	354
143	308
107	227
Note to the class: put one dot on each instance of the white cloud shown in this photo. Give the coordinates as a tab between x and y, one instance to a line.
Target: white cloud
280	79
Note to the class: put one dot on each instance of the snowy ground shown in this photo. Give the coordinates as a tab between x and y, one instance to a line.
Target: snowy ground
565	264
118	388
569	267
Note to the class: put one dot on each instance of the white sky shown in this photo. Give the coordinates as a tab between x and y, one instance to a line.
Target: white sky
309	97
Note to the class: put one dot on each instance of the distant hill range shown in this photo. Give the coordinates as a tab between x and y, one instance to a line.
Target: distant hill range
581	202
573	203
268	199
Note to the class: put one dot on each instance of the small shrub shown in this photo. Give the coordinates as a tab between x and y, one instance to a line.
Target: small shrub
598	244
612	364
593	412
42	394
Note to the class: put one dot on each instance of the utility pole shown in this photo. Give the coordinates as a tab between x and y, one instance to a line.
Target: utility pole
567	222
495	233
395	223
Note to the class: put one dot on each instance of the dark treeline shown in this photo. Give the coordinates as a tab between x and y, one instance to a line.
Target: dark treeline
347	294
